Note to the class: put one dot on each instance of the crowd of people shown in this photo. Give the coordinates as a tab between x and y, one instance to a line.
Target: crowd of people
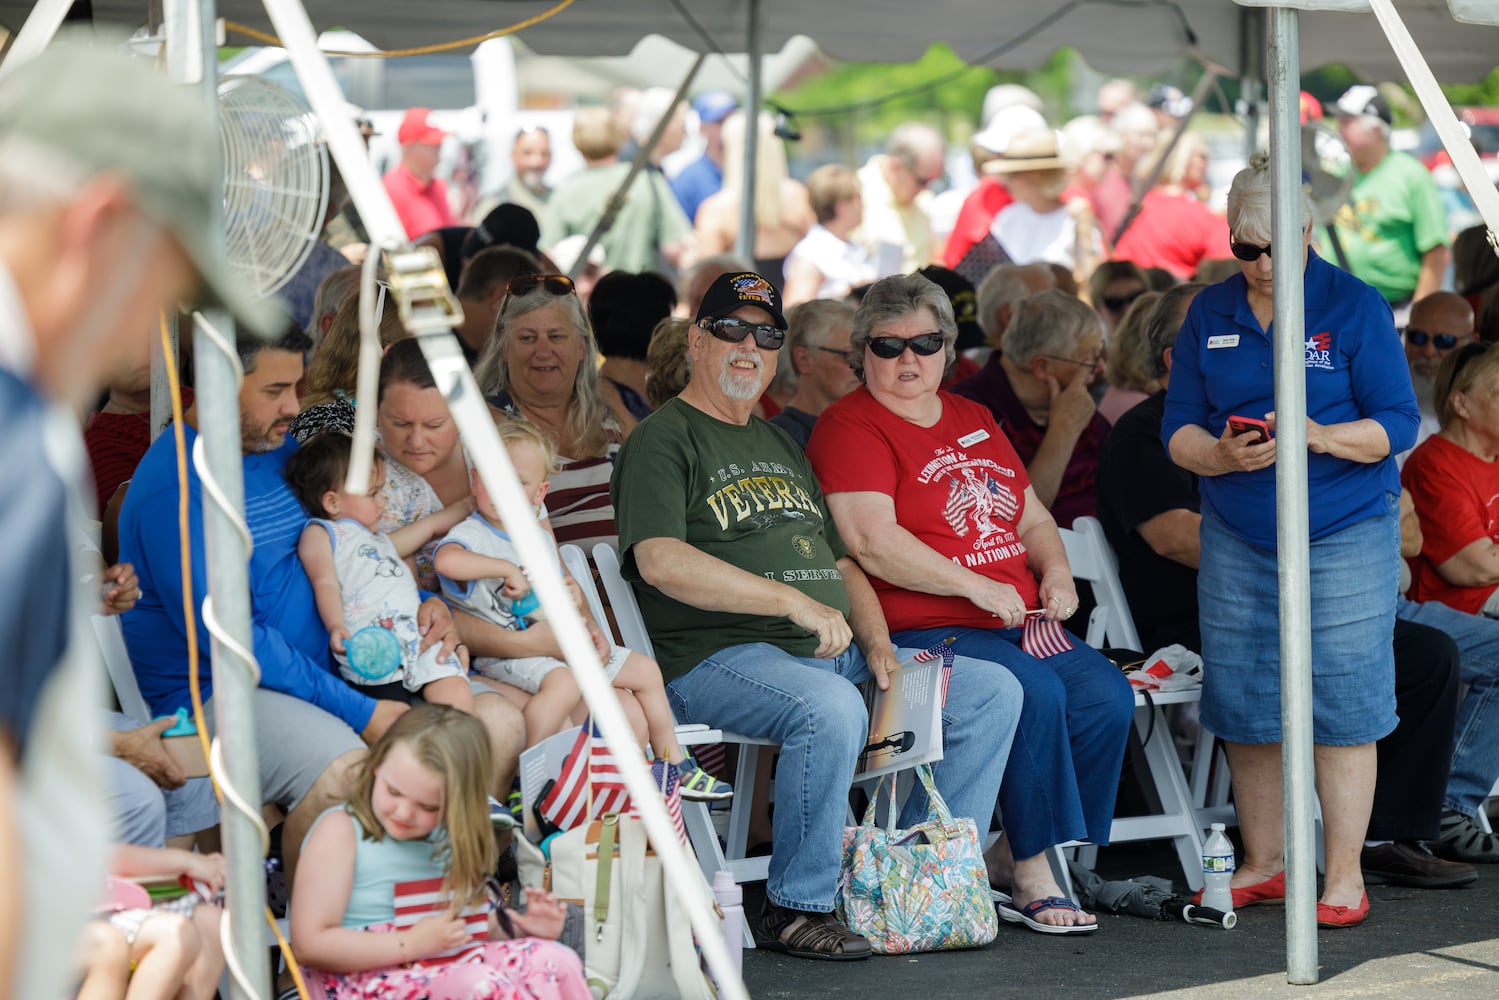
815	463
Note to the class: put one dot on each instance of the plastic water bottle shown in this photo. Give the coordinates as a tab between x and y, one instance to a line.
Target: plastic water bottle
730	898
1217	870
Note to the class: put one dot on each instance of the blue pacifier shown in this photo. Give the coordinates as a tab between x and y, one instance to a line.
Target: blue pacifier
373	653
523	606
184	725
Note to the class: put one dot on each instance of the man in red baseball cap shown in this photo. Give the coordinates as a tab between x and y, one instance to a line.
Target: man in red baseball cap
420	199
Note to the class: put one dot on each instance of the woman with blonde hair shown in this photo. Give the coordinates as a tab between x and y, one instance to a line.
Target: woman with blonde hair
783	212
328	400
1173	229
542	364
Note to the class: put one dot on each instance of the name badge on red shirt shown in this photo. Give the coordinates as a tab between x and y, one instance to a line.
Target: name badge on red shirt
1223	340
969	440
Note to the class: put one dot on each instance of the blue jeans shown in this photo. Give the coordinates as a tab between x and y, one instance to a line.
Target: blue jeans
813	710
1063	773
1475	745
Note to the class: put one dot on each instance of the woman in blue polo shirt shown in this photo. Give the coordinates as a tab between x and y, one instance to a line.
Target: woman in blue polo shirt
1361	410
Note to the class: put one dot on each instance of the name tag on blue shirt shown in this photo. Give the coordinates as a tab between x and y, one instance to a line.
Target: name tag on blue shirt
968	440
1223	340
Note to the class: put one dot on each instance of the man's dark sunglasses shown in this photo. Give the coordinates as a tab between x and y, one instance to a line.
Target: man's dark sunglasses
1119	303
1248	251
733	330
1419	338
925	345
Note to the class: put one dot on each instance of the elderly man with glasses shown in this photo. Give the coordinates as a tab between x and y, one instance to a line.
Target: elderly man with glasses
897	230
1439	324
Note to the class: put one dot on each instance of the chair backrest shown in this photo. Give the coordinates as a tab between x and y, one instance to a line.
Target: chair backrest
1092	559
576	561
121	672
632	633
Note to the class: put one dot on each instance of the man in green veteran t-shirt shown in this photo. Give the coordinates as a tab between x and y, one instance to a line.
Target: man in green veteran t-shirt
761	621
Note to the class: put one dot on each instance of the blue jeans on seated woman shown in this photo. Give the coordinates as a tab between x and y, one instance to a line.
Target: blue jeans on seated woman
1063	772
813	710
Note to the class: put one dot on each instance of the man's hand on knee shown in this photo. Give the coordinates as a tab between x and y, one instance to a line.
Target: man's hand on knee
435	622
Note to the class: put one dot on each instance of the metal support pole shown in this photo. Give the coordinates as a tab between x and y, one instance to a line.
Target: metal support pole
227	550
1287	225
744	243
161	395
1252	73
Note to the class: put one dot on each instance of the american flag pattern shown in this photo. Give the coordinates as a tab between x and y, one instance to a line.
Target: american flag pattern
589	772
664	774
1043	637
424	897
945	651
711	757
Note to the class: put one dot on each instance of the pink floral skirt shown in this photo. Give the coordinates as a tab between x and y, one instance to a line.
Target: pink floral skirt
524	969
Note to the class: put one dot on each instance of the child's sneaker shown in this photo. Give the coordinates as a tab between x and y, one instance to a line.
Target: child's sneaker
500	816
517	807
697	785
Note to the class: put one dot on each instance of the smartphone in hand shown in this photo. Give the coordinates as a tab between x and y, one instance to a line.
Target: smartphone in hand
1249	425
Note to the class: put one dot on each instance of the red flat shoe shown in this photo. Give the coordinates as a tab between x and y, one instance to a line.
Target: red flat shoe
1343	916
1272	890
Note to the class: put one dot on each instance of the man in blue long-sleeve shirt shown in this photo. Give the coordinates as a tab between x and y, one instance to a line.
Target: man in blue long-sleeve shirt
310	725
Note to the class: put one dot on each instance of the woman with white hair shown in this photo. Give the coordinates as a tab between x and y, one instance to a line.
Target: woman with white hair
1173	229
1361	411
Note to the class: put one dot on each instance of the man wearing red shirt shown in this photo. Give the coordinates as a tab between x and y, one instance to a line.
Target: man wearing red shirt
420	199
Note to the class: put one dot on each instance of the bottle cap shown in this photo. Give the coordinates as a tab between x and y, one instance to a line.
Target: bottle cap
725	889
1217	827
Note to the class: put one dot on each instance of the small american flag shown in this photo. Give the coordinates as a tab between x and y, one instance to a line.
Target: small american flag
945	651
1042	637
424	897
664	773
711	757
589	772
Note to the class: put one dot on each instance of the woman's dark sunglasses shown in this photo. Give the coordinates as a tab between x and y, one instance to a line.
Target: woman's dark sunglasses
733	330
1419	338
556	284
1248	251
925	345
1119	303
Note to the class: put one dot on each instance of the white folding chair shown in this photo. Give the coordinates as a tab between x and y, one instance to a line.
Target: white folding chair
1112	625
711	854
121	672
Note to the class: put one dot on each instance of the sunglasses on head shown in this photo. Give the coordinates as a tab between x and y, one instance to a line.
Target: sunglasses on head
1248	251
556	284
733	330
1420	338
1119	303
925	345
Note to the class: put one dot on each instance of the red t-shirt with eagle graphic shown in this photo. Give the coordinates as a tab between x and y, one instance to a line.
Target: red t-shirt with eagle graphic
958	486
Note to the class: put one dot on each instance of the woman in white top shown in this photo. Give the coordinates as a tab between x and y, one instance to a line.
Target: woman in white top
826	264
1038	226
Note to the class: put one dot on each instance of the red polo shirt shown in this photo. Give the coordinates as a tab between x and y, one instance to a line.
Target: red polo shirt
420	207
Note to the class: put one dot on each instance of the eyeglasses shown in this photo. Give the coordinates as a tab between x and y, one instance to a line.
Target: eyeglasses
924	345
1092	362
1119	303
556	284
1248	251
1419	338
733	330
834	350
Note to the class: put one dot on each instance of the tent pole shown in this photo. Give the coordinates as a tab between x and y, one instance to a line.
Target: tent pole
744	243
1251	73
1287	226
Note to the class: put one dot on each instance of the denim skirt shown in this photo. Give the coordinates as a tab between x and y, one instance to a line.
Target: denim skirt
1354	578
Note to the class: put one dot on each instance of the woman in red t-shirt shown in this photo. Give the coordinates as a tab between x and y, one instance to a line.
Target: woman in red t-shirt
937	508
1453	480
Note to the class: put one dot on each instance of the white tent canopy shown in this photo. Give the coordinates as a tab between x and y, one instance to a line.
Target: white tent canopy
1116	36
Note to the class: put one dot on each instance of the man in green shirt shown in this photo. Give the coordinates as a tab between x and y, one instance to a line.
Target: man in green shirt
1394	229
763	624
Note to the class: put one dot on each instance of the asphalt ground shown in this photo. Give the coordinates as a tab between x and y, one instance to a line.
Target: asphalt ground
1415	944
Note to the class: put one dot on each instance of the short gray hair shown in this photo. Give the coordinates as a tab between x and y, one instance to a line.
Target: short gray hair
809	324
912	140
1049	322
895	298
1004	285
1249	202
1165	321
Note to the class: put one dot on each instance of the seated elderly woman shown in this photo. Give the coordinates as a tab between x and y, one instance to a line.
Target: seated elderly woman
1360	410
936	507
542	365
328	400
1453	479
1112	288
1038	390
